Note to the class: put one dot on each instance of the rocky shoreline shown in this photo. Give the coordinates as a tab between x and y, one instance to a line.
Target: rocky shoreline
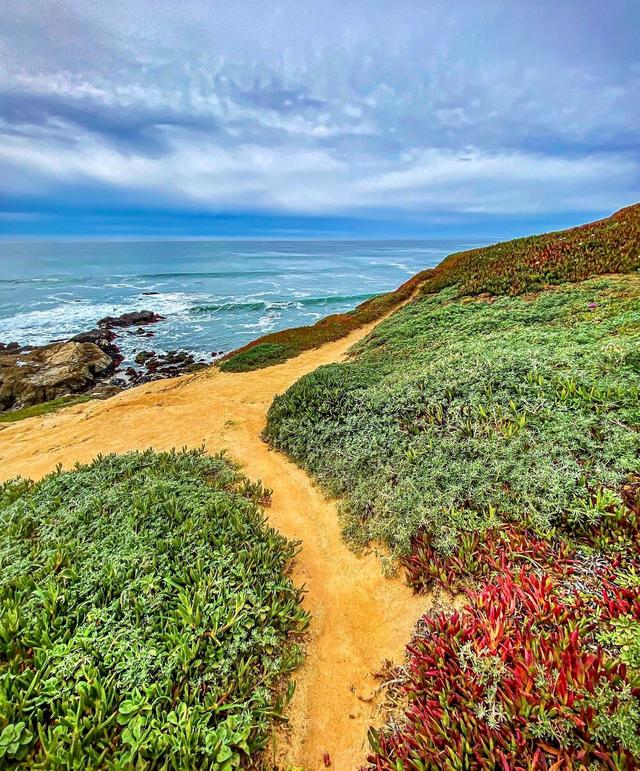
87	363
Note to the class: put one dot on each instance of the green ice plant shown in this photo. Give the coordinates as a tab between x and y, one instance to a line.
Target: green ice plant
147	618
455	407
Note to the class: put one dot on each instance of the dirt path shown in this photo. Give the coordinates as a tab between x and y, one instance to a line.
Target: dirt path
359	618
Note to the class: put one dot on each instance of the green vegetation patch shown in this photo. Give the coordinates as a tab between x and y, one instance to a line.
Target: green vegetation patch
456	415
611	245
262	355
42	409
146	616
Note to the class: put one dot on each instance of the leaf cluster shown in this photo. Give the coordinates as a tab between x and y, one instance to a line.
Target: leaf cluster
146	616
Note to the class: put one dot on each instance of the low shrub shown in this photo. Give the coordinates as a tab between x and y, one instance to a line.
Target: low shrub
146	616
540	670
611	245
493	444
518	681
262	355
455	415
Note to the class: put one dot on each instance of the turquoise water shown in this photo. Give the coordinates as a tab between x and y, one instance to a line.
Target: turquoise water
216	295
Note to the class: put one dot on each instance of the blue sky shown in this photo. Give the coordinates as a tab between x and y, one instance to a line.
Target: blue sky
331	118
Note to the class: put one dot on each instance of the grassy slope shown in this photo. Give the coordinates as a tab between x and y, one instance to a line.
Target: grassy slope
494	443
609	246
457	413
42	409
277	347
145	616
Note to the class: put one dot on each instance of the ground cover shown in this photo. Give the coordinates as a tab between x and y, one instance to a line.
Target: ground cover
611	245
277	347
492	443
146	616
42	409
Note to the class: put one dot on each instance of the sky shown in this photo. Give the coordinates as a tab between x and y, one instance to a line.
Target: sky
316	118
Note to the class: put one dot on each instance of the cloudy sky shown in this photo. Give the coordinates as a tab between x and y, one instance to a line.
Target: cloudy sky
316	117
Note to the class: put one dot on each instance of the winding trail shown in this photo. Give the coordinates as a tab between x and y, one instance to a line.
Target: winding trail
359	618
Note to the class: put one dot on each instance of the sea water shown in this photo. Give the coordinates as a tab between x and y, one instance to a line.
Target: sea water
215	295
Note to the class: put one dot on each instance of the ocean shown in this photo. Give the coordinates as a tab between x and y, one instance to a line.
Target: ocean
215	295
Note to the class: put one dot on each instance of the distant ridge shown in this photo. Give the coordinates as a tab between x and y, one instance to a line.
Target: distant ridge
610	245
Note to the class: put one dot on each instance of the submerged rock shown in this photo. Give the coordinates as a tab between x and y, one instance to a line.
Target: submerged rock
144	356
49	372
10	348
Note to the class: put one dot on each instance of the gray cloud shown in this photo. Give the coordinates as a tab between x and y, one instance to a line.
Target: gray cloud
132	128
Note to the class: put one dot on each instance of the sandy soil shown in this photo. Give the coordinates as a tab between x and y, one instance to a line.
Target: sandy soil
360	618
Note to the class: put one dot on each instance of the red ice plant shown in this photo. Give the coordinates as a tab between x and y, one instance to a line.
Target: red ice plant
514	681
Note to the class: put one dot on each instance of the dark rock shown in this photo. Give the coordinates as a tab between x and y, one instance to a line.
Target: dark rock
131	319
10	347
150	294
159	366
97	336
14	348
144	356
103	338
106	390
49	372
180	358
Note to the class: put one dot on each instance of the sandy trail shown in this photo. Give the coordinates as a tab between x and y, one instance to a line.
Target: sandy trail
359	617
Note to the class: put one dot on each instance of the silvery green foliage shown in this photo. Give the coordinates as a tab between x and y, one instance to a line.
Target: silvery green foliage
455	413
146	617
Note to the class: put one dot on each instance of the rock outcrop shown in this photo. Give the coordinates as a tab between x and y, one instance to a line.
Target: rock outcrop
49	372
103	338
133	319
86	362
159	366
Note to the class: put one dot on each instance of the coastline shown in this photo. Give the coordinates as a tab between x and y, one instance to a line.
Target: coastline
336	697
427	427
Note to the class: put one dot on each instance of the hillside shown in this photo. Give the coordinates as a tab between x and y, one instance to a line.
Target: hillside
492	443
480	432
611	245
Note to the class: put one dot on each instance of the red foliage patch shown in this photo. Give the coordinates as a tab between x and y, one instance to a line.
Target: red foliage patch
515	681
519	679
482	554
611	245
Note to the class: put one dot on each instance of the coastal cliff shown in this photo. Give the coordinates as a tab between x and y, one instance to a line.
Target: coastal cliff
480	436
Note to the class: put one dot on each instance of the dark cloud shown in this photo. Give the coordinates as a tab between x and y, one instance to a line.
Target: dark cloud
132	128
